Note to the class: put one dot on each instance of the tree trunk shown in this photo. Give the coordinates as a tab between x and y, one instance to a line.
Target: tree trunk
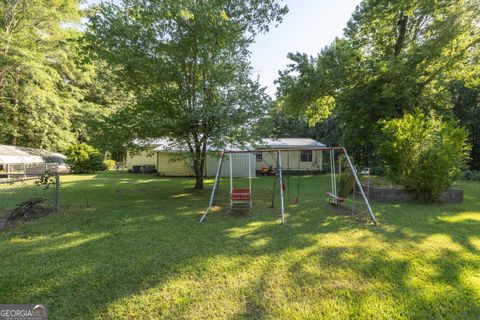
198	181
16	104
198	165
402	31
198	169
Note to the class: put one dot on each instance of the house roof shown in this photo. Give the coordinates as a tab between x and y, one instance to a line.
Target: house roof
17	155
167	145
290	143
284	143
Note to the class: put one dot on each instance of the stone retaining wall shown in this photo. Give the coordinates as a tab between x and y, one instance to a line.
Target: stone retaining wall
451	196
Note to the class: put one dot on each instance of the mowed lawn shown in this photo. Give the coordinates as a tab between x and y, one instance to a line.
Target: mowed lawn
131	247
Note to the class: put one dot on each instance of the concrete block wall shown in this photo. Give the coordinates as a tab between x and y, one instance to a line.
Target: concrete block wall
451	196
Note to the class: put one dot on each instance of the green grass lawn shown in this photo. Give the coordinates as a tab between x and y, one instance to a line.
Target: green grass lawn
13	193
130	246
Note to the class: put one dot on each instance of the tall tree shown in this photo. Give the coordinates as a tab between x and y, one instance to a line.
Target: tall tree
100	119
187	63
36	97
395	56
466	103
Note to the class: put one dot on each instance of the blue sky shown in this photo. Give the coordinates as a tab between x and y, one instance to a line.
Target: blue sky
309	26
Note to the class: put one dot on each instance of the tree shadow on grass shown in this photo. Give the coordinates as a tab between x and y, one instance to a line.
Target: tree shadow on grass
82	263
378	285
416	223
79	261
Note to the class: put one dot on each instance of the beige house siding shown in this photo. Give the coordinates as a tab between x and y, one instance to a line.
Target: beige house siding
163	162
290	160
168	167
165	166
142	159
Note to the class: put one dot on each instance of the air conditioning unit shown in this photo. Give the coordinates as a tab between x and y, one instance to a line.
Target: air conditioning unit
144	169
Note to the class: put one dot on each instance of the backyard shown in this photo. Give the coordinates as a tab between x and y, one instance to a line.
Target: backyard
130	246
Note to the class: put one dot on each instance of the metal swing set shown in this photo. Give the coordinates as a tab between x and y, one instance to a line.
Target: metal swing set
241	198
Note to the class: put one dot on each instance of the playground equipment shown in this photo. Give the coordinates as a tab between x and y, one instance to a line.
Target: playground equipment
345	190
349	187
242	197
296	199
358	206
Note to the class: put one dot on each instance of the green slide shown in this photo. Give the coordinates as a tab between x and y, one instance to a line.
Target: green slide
347	187
345	190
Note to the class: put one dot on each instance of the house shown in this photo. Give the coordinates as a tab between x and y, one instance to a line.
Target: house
23	160
161	156
165	158
304	159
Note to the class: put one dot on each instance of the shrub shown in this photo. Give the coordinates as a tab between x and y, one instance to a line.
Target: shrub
83	158
109	164
46	181
423	154
377	170
473	175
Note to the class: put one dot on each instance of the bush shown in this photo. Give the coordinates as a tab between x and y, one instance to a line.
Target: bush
109	164
83	158
377	170
473	175
423	154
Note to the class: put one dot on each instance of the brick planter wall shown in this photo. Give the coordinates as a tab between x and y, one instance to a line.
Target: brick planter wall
451	196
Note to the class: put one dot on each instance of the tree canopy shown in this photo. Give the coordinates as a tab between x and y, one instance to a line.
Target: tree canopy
395	57
187	63
147	69
36	98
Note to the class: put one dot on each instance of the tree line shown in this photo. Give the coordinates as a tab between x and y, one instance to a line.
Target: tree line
134	70
394	58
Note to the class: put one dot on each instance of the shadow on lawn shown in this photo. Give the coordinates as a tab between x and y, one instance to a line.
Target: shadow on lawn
417	223
367	274
82	261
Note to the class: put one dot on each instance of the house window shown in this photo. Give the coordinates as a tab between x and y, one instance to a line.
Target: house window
258	157
306	156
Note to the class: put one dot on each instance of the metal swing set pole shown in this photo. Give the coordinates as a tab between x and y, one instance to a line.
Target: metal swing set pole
280	175
357	180
274	181
231	178
215	187
250	177
333	176
282	206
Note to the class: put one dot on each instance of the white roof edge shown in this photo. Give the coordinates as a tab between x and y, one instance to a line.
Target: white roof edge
159	145
292	142
17	155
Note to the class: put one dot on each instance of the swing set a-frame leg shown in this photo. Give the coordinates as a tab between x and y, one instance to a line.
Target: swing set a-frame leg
275	184
360	188
213	197
282	206
278	175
